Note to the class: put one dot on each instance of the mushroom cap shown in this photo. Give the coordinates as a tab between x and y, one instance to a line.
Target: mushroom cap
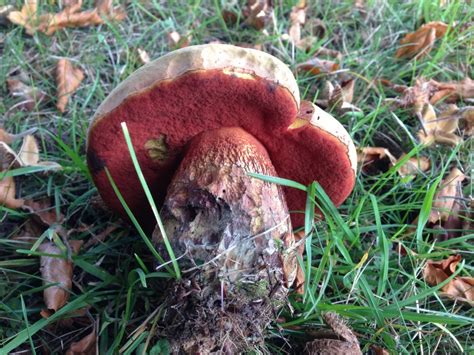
170	100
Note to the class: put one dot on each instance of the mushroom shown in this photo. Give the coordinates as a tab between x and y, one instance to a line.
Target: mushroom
201	119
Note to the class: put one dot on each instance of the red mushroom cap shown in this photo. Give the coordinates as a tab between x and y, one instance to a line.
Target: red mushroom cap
170	100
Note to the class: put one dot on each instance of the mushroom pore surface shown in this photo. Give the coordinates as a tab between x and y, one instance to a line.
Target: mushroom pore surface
163	118
235	232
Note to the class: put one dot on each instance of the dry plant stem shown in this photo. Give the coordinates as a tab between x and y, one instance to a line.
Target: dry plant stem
235	233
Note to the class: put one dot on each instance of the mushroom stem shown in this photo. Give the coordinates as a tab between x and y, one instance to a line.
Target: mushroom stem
235	234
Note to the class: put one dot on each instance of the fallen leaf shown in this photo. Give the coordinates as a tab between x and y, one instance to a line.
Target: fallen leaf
440	129
229	17
27	17
322	51
257	13
299	282
9	138
176	41
70	16
367	156
341	339
297	20
413	166
468	116
459	288
419	43
43	211
68	79
28	155
143	55
452	91
85	346
57	270
4	12
7	194
30	96
377	350
430	92
448	191
316	66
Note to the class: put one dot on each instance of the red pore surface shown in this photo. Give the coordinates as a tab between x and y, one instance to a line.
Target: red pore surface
174	111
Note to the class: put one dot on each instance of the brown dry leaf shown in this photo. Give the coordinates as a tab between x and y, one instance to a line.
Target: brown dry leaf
57	270
329	53
419	43
439	129
468	116
370	155
316	66
257	13
448	192
460	288
431	91
7	194
413	166
143	55
297	20
341	339
6	137
176	41
229	17
70	16
377	350
45	213
28	155
27	17
68	79
452	91
299	282
85	346
30	96
9	138
367	155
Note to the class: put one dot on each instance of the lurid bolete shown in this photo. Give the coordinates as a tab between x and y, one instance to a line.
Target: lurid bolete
201	118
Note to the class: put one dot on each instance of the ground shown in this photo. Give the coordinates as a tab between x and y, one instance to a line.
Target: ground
356	269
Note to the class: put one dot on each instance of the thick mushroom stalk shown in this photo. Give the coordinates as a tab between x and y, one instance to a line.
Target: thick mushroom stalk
234	233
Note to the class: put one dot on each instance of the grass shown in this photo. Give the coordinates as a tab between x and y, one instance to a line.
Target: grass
351	261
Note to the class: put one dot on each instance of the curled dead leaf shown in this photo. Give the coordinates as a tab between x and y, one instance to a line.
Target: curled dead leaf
257	13
452	91
70	16
316	66
448	192
30	96
8	192
440	129
297	20
459	288
43	211
419	43
27	17
85	346
68	79
413	166
57	269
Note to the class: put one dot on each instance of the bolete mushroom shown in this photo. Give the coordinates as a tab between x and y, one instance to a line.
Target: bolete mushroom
201	118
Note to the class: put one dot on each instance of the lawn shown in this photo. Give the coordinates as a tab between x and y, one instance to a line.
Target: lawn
365	259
